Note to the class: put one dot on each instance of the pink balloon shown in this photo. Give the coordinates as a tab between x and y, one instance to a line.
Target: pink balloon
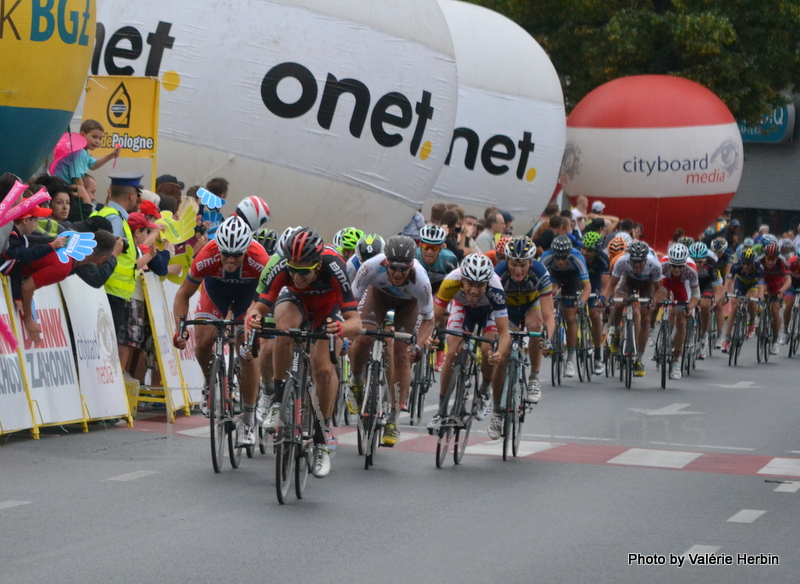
10	199
8	335
23	207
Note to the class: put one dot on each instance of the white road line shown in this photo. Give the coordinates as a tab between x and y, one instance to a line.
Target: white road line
351	438
793	451
782	466
702	446
495	448
746	516
567	437
132	476
788	487
657	458
702	549
12	504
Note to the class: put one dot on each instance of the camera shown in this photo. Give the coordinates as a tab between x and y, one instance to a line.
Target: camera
200	229
125	245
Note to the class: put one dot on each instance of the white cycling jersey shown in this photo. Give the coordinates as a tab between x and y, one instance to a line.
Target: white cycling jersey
651	270
417	286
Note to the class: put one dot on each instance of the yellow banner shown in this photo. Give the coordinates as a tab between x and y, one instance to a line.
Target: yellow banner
127	108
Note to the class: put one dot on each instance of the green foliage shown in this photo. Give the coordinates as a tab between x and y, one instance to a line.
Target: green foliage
745	51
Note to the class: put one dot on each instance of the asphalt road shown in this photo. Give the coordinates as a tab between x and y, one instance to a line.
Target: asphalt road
709	466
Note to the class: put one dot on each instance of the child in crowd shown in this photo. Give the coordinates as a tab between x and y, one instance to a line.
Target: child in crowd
74	166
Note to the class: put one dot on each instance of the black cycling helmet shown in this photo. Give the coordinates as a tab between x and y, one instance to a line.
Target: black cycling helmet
638	250
561	247
268	239
304	245
400	249
748	256
521	248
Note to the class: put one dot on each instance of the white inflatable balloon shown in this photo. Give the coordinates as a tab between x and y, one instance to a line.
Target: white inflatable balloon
336	113
510	129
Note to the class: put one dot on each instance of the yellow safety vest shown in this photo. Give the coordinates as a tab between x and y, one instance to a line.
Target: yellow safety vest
123	280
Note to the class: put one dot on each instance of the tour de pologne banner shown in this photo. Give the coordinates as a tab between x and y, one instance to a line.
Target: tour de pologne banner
15	413
50	366
96	349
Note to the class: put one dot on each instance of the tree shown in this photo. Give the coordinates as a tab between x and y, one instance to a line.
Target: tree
745	51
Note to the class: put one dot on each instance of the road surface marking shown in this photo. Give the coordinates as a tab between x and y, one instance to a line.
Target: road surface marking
495	448
657	458
702	549
567	437
12	504
740	385
702	446
788	487
670	410
782	466
201	432
132	476
746	516
426	409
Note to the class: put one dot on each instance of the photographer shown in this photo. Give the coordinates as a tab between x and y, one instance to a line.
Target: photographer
456	241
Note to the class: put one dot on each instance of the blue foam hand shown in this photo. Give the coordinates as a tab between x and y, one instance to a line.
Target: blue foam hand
79	245
215	218
209	199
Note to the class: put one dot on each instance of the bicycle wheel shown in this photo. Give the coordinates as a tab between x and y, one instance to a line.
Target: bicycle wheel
371	413
517	405
418	371
794	331
264	401
464	409
216	414
285	442
445	434
232	410
661	354
305	449
588	339
508	417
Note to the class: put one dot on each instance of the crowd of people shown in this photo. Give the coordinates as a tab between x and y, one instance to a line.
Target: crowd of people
449	271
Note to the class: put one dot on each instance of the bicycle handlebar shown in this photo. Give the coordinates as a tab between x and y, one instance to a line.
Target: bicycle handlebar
381	334
206	322
469	336
296	334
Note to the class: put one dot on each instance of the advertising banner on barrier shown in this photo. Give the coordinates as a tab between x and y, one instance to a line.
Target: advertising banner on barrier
96	347
49	366
192	374
15	412
161	322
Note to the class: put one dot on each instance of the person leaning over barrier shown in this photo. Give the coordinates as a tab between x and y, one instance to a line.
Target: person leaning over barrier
50	270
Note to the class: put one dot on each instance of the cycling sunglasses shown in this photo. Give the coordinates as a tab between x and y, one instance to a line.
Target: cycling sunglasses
430	246
238	254
301	271
399	267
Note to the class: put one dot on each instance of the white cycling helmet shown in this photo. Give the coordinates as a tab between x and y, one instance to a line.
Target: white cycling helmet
233	235
254	211
476	267
337	238
432	235
285	236
677	254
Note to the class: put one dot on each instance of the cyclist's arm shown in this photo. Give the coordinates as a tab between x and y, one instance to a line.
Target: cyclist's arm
425	330
439	312
181	305
610	285
604	283
694	300
787	283
504	342
351	327
587	290
761	289
548	316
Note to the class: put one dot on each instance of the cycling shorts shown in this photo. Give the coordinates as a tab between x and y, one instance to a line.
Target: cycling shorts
316	312
217	299
471	319
741	288
626	288
517	314
375	304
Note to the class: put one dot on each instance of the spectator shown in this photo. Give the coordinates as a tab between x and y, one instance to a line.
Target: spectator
544	221
490	212
90	185
579	213
796	240
762	231
495	226
454	241
167	203
60	205
71	165
168	185
557	226
436	213
50	270
470	227
412	229
508	218
610	221
730	233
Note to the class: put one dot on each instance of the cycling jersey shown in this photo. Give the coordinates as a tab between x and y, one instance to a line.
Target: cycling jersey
524	295
683	286
570	277
444	264
223	291
742	282
331	288
708	275
352	267
597	268
417	286
465	315
774	277
650	273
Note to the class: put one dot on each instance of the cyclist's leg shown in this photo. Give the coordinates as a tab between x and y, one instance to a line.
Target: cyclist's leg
719	296
406	320
789	299
204	336
705	314
775	307
534	323
596	317
571	320
265	350
372	311
752	306
680	332
289	313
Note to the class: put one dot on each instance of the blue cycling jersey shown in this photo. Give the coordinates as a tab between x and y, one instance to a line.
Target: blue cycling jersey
537	283
598	267
444	264
574	270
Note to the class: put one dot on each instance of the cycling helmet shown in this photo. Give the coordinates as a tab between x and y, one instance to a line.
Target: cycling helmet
350	237
592	240
771	250
287	233
786	245
770	238
268	239
686	240
626	237
748	242
233	235
561	247
616	246
748	256
500	248
477	267
337	238
304	245
400	248
638	250
254	211
698	251
520	248
369	246
677	254
720	244
432	235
